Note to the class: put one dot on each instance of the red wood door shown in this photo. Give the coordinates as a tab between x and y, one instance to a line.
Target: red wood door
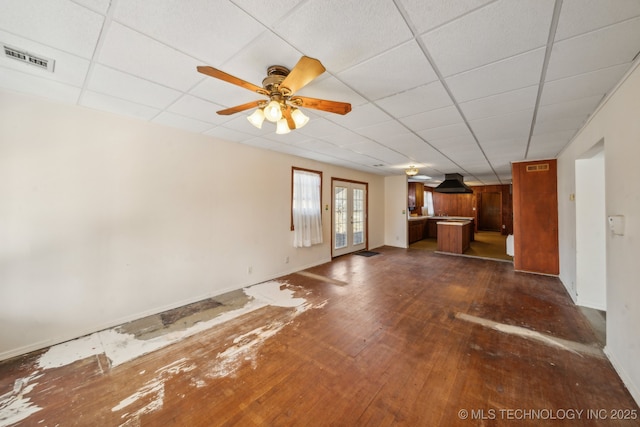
489	217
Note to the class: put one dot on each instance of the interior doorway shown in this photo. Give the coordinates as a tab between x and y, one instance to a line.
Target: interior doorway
490	211
591	230
349	217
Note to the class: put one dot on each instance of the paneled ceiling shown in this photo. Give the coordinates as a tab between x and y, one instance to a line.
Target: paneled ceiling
464	86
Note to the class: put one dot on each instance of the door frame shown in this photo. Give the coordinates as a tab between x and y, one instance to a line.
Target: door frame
366	211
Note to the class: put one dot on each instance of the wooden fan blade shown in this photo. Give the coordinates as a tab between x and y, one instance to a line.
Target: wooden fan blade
239	108
286	113
305	70
214	72
322	104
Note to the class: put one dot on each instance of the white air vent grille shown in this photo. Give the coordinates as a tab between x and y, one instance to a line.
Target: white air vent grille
29	58
542	167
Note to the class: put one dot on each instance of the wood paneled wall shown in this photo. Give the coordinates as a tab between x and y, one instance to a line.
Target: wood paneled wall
535	213
467	204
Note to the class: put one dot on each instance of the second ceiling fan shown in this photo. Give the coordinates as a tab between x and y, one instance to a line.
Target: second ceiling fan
280	87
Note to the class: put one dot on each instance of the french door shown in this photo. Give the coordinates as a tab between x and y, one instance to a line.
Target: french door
349	224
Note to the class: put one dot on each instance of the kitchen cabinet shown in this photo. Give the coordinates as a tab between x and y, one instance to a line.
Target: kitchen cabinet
416	229
416	197
454	236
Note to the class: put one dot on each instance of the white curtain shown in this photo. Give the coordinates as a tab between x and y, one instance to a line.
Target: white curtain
307	209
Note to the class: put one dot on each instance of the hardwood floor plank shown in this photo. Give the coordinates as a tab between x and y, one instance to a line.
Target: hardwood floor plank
376	342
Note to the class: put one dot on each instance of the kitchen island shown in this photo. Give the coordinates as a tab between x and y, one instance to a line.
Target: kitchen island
454	236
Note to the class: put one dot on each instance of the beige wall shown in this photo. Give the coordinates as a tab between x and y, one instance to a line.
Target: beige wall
105	219
617	123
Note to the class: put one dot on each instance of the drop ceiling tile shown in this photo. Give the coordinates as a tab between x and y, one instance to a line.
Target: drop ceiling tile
12	80
100	6
394	71
134	53
510	74
404	142
492	33
199	109
561	124
60	24
549	145
459	130
318	146
613	45
111	104
347	138
221	132
268	11
125	86
216	30
181	122
506	126
432	119
503	103
581	16
501	152
597	82
324	30
433	159
424	98
68	68
320	128
573	108
429	14
360	116
360	158
382	131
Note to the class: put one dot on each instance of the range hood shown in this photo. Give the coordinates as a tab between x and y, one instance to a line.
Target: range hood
453	183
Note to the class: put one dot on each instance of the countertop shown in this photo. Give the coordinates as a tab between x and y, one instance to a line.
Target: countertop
444	218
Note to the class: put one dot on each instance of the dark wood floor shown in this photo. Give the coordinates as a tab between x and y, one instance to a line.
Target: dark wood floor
406	337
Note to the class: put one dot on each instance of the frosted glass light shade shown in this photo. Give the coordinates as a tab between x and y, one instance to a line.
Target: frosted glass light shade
257	118
299	118
282	127
272	111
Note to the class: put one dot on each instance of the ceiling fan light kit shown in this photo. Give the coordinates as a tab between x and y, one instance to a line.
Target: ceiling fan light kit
279	86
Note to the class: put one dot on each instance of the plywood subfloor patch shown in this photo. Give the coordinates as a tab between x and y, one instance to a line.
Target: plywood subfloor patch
572	346
182	318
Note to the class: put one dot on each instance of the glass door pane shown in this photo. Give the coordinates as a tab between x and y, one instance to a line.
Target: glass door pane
358	216
340	217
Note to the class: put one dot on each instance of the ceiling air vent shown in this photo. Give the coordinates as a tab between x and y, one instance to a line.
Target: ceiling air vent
29	58
541	167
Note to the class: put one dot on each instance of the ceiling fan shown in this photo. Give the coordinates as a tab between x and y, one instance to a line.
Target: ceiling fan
280	87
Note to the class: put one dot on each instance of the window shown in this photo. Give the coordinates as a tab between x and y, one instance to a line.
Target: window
428	203
306	207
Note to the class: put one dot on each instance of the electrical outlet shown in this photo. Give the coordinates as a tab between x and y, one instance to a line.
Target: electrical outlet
286	260
250	269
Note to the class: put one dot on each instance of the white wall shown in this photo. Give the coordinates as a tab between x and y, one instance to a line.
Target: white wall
396	211
617	123
105	219
591	237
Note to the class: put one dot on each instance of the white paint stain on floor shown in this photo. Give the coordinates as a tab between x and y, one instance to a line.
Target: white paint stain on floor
121	348
153	391
16	405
